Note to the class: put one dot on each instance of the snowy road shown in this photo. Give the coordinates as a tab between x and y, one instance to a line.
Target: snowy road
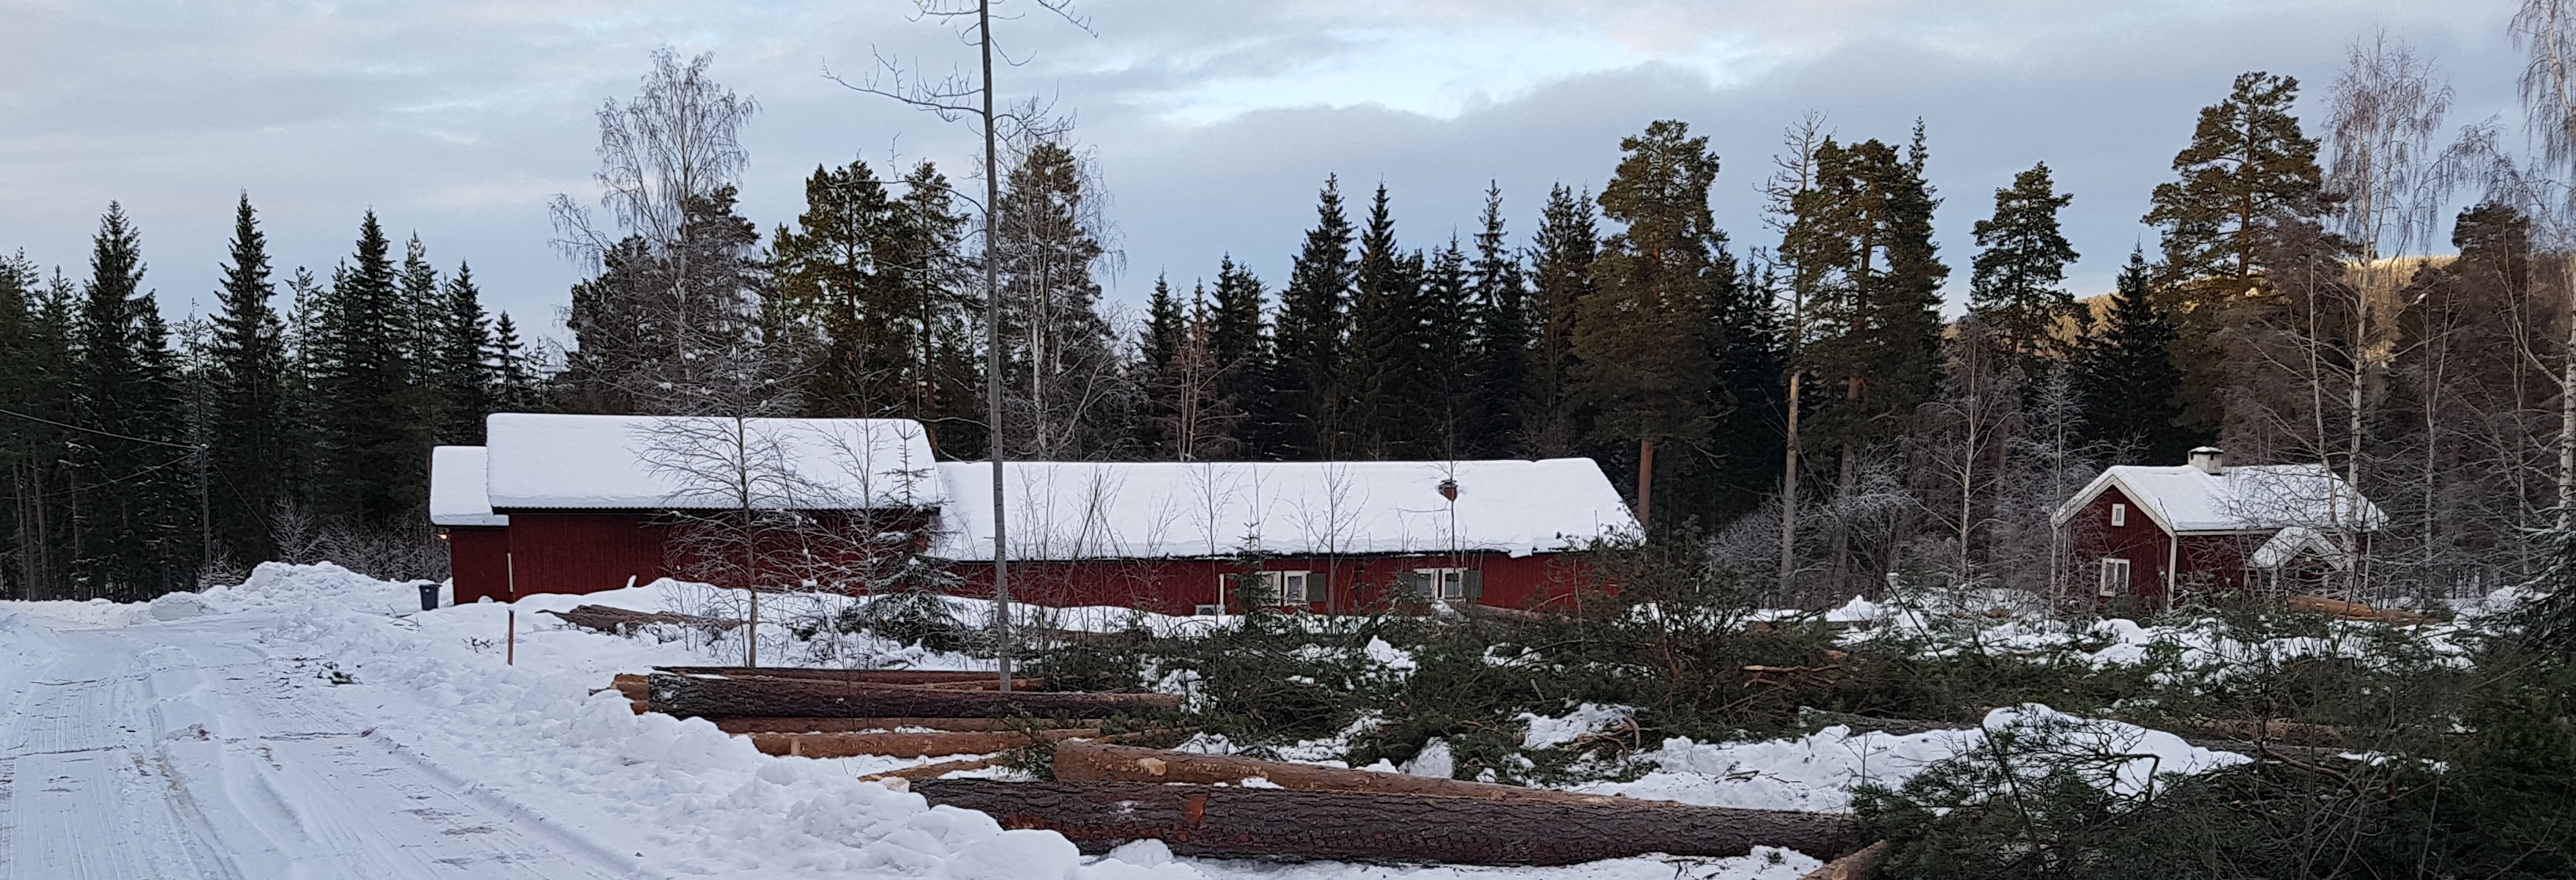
184	751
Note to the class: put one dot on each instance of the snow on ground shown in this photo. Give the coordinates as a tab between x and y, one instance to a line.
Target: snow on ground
293	717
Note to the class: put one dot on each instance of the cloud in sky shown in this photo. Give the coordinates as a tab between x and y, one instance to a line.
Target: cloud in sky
1214	123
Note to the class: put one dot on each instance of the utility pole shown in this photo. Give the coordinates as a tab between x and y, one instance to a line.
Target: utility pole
993	352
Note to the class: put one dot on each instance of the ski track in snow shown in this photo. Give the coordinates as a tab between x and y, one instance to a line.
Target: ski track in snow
184	751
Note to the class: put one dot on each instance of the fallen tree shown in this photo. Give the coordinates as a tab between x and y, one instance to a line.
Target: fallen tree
865	725
622	621
723	696
1230	822
1092	761
912	677
906	745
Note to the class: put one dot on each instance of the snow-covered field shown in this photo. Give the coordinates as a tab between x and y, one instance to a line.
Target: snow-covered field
314	723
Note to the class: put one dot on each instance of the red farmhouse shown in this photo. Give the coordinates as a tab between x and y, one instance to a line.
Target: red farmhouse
579	504
2152	531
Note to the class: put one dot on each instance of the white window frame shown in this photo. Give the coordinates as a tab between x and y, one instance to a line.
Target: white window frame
1447	584
1273	584
2112	585
2119	515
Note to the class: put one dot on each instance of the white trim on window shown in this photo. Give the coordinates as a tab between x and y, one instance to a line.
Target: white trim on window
2119	515
2115	577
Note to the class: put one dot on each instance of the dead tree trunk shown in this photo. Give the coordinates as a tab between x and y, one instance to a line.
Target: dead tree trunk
1085	761
1229	822
713	696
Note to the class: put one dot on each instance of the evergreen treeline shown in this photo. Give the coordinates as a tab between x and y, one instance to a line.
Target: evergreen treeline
143	459
1800	400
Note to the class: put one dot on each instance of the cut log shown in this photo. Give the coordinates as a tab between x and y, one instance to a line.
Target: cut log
905	745
717	696
620	621
1089	761
871	676
2351	610
930	771
630	684
864	725
1861	865
1229	822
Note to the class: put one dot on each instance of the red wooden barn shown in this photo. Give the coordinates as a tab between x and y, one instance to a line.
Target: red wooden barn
579	504
1182	537
2151	531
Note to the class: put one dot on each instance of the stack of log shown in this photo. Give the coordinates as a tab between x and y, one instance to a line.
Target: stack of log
1104	795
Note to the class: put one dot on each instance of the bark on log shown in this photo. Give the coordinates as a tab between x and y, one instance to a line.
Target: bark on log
905	745
619	621
714	696
1088	761
915	677
2351	610
928	771
864	725
1861	865
1272	823
1906	727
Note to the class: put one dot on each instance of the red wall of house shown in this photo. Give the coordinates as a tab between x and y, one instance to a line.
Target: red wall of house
1180	586
583	552
2138	540
478	558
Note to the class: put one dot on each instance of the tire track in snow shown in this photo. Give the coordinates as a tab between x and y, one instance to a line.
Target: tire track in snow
179	751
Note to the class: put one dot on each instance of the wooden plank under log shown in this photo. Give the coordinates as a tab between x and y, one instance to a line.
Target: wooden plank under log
717	696
864	725
1230	822
1091	761
905	745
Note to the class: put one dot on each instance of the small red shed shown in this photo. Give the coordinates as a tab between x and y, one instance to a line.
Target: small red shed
2151	531
1181	537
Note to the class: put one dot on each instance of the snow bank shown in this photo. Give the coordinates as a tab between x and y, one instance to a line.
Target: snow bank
1590	718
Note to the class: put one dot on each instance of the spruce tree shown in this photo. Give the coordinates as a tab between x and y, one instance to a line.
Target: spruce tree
251	443
1166	330
1314	315
1057	365
1382	374
514	375
2126	378
35	380
1502	329
417	312
463	369
2015	285
1239	346
371	442
1449	409
129	462
1641	339
1562	253
2247	171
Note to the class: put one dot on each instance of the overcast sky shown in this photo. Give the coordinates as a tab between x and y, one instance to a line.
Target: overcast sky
1214	121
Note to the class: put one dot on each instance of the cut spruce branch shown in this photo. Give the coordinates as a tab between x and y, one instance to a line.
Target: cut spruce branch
620	621
889	725
1089	761
906	745
719	696
1272	823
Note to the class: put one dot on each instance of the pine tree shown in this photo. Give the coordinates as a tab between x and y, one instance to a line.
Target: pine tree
129	464
1312	329
2247	171
2125	375
2015	282
251	443
868	364
1500	346
1562	254
1868	224
462	366
1641	339
372	445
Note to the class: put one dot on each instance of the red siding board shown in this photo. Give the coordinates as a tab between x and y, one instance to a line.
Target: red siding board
478	558
583	553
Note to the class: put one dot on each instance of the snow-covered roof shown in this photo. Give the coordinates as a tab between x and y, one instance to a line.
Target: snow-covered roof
668	462
456	489
2243	498
2295	541
1088	510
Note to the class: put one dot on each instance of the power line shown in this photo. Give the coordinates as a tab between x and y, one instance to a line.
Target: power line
186	446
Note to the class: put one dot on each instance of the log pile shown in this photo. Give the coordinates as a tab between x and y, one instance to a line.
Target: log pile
1084	761
622	621
1232	822
734	696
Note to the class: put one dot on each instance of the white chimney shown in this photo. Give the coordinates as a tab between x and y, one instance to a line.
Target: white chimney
2209	459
